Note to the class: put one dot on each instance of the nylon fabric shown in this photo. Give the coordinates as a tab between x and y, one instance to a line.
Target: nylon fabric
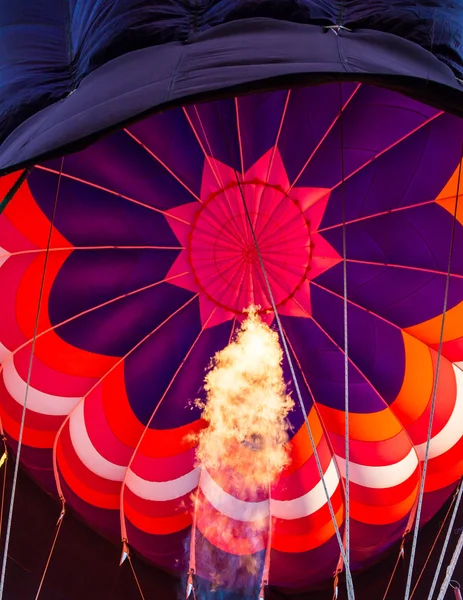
48	47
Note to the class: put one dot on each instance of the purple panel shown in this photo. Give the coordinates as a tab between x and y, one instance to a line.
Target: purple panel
375	347
216	126
311	114
122	165
323	365
115	329
417	237
150	368
90	217
90	277
296	416
401	296
414	170
170	137
177	407
260	118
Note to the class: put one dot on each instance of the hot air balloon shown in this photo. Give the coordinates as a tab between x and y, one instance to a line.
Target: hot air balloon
165	168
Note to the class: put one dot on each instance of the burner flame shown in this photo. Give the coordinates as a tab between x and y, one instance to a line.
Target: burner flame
244	446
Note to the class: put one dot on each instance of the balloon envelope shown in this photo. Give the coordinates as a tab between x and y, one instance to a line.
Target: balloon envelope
150	266
139	254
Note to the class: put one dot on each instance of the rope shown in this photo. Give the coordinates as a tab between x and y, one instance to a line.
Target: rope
434	545
298	391
434	393
136	578
55	539
299	395
349	583
451	568
23	415
446	542
346	339
5	454
391	578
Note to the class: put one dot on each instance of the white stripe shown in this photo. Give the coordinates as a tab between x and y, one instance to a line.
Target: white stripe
87	452
162	491
4	256
452	431
380	476
308	503
40	402
230	506
4	352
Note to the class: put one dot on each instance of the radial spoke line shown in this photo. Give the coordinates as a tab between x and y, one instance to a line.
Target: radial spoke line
397	266
112	192
100	380
151	419
24	408
72	248
434	391
367	310
390	147
328	131
163	164
238	129
207	156
90	310
376	215
280	128
357	368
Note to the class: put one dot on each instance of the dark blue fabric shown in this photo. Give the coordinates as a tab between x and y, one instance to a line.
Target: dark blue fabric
49	47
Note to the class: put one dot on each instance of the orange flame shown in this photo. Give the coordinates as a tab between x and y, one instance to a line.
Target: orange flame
243	448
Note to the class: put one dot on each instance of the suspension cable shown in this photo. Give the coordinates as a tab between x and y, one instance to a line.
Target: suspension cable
135	576
29	373
299	395
349	583
346	339
446	542
451	568
434	391
391	578
50	554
